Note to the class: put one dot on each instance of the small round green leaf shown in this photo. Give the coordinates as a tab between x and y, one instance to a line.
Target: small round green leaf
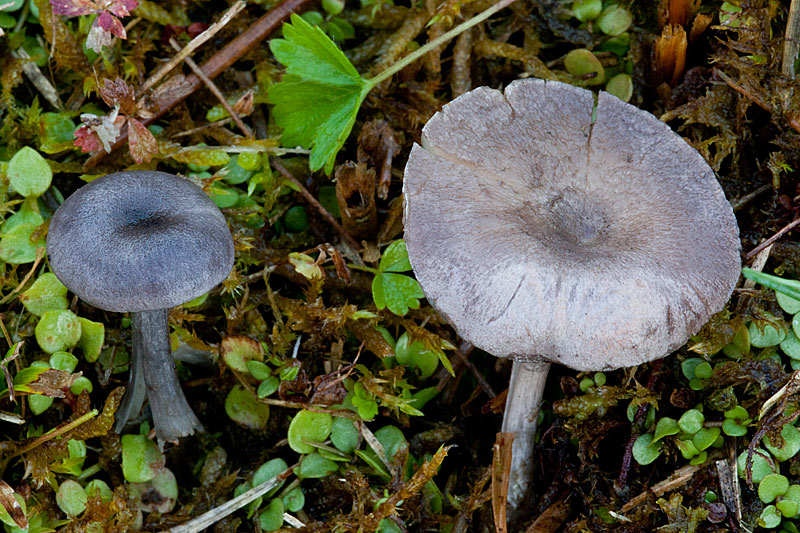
58	331
29	173
81	383
772	486
271	518
415	355
584	10
766	337
583	64
621	86
141	460
46	294
791	346
314	466
760	467
691	421
791	443
243	408
705	437
294	500
64	361
787	303
71	498
39	403
344	434
93	334
645	451
268	387
308	426
614	20
666	426
97	488
770	517
788	508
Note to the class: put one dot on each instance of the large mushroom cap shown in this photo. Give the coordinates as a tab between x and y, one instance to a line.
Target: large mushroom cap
547	225
139	241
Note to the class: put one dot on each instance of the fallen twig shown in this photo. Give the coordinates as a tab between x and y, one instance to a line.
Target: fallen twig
783	231
193	45
214	90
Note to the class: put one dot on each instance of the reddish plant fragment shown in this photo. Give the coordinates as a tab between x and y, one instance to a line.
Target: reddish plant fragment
117	93
103	131
141	143
98	132
106	25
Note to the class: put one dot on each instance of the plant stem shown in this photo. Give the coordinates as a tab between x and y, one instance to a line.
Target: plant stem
445	37
525	393
363	268
172	416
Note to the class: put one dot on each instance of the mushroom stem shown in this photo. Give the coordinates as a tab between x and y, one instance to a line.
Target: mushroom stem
522	410
172	416
134	395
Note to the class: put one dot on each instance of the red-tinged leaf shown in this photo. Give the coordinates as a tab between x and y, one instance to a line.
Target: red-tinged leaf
98	38
111	24
141	143
87	139
73	8
103	130
118	93
122	8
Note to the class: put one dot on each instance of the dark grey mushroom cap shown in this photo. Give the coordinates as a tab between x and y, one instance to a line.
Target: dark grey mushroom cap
139	241
545	224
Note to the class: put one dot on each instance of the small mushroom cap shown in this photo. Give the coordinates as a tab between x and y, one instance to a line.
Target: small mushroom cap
139	241
546	225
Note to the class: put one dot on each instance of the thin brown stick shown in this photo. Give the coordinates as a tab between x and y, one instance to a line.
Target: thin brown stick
315	204
162	101
783	231
214	90
193	45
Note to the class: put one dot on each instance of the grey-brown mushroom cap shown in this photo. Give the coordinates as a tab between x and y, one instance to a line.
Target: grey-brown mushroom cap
139	241
545	226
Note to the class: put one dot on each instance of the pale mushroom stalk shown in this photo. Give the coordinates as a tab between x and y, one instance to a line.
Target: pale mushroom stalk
525	391
154	367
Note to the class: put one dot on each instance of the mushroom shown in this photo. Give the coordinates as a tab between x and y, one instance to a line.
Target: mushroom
142	242
547	224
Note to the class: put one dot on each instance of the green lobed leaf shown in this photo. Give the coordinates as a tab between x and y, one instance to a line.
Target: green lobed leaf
316	72
395	258
397	292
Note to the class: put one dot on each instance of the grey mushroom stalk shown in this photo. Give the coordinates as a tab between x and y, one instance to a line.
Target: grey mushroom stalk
550	224
143	242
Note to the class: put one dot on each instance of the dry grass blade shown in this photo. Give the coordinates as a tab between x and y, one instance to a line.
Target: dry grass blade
216	514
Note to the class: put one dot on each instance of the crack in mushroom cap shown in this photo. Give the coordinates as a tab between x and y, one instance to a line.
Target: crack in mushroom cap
540	233
139	241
